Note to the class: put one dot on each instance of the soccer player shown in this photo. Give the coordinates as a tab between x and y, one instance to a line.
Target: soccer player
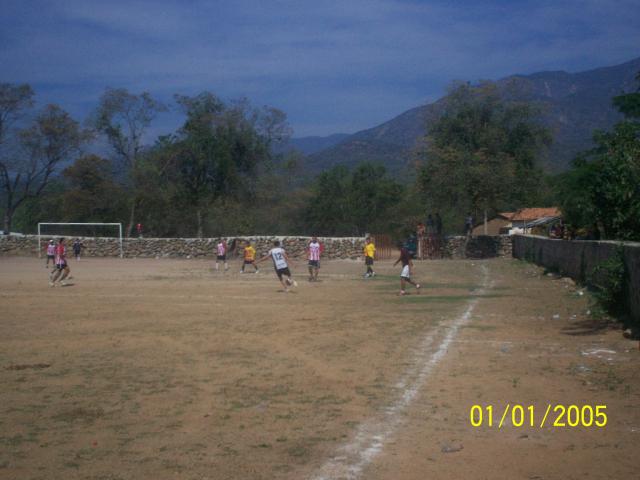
221	250
314	250
249	257
61	265
369	254
51	253
407	267
281	265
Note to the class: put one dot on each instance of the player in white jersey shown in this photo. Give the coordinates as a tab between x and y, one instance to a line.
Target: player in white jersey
221	254
314	250
51	253
281	265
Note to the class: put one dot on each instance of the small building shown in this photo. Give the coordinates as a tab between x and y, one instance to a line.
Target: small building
527	219
497	225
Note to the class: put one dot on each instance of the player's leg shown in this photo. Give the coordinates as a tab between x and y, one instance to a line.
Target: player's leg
65	273
255	265
55	274
316	270
310	272
402	285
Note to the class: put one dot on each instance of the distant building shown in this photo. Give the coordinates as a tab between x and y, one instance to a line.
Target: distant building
534	220
497	225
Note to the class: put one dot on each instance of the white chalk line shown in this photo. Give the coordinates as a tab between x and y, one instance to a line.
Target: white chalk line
351	458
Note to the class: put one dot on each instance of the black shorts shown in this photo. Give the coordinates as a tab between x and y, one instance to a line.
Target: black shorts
368	260
314	263
61	266
283	271
222	258
52	257
249	262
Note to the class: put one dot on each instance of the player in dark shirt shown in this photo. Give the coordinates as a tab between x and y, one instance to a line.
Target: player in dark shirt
407	267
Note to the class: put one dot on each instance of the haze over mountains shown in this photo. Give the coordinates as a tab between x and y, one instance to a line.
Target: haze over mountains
573	104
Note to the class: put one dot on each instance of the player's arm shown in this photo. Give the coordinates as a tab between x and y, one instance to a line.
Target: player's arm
263	258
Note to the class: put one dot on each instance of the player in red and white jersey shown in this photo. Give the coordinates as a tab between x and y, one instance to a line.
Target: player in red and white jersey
51	253
221	254
314	250
61	270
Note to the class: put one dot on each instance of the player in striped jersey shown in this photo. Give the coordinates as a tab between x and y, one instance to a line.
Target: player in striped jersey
281	265
314	250
221	254
62	268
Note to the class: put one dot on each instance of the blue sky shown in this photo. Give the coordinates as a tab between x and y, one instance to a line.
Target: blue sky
332	66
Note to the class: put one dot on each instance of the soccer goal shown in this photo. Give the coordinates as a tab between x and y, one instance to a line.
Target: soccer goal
63	228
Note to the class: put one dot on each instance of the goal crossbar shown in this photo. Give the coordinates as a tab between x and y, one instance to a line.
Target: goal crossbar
119	225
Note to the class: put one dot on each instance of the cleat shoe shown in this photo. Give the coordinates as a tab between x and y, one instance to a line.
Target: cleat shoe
295	284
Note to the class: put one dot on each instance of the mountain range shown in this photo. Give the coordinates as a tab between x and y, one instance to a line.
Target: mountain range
573	105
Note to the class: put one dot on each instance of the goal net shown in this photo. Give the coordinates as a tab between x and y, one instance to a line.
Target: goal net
47	230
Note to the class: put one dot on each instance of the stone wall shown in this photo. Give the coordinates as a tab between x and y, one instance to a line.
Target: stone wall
182	247
480	246
455	247
578	259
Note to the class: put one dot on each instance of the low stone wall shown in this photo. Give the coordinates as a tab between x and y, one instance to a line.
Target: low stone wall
455	247
578	259
182	247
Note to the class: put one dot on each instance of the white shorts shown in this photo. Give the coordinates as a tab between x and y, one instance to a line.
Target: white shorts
405	272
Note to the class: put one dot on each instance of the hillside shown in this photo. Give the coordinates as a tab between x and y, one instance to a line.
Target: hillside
573	104
313	144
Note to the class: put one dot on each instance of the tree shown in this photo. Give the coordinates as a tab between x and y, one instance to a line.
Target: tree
91	195
52	138
123	118
214	156
602	190
480	155
352	203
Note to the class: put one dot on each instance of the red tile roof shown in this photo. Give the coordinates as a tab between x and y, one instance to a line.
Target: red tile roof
527	214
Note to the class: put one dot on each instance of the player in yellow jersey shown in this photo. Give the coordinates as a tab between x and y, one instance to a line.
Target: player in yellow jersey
369	254
249	257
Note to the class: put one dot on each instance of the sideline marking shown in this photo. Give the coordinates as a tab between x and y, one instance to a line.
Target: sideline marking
351	458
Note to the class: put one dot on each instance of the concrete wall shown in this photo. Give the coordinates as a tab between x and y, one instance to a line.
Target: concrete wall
578	259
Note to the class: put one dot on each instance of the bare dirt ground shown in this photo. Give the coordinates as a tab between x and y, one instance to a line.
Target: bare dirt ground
165	369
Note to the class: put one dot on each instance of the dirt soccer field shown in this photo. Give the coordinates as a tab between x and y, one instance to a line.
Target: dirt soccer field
165	369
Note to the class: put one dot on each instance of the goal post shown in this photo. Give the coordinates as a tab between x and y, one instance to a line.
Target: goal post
94	224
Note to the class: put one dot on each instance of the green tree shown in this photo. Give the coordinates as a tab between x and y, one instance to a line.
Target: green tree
481	153
352	203
602	190
214	156
52	138
92	195
124	118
